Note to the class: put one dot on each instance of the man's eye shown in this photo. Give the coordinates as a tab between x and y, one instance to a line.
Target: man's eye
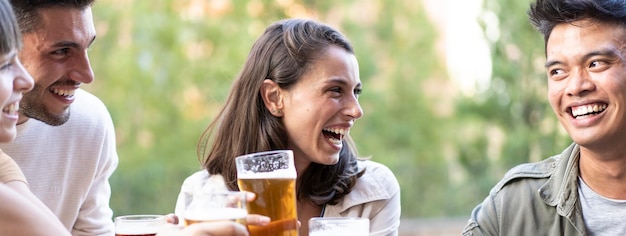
556	72
61	51
596	64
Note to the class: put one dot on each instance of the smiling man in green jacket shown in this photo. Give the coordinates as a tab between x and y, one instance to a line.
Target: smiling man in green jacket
582	191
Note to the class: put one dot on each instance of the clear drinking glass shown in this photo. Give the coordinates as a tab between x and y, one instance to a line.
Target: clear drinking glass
339	226
204	206
271	176
138	225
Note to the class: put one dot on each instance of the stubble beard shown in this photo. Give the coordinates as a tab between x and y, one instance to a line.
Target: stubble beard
32	107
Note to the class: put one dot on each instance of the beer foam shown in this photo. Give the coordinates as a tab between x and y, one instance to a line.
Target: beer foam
215	214
276	174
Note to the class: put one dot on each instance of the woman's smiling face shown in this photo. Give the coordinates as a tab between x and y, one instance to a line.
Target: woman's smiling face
14	81
319	110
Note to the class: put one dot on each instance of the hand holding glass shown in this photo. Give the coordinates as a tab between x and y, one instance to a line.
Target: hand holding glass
215	206
271	176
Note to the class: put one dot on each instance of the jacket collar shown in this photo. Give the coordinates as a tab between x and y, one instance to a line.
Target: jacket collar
561	190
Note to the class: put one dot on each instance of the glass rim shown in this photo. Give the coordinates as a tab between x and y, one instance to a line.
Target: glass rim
263	153
273	164
140	217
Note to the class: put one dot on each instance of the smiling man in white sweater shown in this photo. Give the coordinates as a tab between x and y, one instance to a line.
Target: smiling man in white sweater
65	141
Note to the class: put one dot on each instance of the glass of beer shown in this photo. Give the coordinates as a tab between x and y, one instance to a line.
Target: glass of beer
271	176
339	226
138	225
202	206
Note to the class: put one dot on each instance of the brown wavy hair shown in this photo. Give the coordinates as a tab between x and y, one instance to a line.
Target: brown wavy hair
283	54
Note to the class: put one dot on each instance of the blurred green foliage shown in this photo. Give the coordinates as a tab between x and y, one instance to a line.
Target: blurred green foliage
164	67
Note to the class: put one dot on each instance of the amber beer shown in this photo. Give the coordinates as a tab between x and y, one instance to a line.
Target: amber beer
272	177
138	225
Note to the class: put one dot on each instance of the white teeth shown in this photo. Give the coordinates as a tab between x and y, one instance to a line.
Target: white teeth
64	92
11	109
341	133
587	109
335	141
336	131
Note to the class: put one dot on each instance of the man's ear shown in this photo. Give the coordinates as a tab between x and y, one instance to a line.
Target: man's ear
272	97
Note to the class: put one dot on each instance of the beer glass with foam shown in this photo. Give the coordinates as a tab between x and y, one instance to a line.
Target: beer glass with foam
138	225
339	226
202	206
271	176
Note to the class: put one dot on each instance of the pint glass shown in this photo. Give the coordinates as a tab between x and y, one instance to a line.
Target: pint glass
271	176
339	226
138	225
215	206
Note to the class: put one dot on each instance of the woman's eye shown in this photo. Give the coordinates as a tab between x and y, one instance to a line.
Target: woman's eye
6	66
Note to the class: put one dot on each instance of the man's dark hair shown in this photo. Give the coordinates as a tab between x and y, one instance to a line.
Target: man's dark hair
26	10
545	14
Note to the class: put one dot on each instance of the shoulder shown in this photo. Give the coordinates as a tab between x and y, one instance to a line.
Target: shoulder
378	174
376	195
89	106
9	170
529	172
376	183
520	185
88	114
87	100
203	180
198	176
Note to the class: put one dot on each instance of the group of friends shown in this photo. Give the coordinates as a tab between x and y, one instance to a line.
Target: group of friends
298	90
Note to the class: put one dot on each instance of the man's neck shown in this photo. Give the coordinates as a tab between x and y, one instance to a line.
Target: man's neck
21	119
604	173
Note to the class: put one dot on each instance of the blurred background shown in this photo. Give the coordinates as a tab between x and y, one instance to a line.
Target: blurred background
454	92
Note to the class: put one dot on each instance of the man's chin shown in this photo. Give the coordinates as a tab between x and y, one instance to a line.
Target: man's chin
49	118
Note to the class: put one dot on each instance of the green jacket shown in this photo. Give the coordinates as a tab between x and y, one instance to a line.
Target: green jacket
533	199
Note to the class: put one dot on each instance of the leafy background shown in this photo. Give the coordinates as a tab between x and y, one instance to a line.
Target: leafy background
164	67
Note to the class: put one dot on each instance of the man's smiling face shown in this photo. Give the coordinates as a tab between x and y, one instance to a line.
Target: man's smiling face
55	54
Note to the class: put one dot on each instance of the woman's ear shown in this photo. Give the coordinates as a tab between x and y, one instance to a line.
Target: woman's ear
272	97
